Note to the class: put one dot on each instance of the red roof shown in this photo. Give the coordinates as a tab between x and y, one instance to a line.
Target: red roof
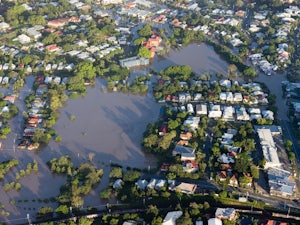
58	22
9	98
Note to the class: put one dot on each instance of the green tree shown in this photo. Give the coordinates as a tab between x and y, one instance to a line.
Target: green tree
85	221
145	31
250	72
139	41
85	69
116	172
254	172
106	193
144	52
242	163
131	175
288	144
62	210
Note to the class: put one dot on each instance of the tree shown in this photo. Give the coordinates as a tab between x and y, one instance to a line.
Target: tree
254	172
106	193
152	211
131	175
62	210
292	156
242	163
288	144
85	221
165	141
145	31
85	69
139	41
250	72
144	52
116	172
185	219
232	69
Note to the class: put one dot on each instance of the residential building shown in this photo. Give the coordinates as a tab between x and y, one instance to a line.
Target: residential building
215	221
179	149
192	122
215	111
4	26
201	109
23	39
134	61
58	22
279	182
268	147
186	188
114	2
171	218
226	213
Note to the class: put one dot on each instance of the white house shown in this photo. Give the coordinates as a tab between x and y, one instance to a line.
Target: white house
214	221
237	97
23	39
215	111
171	218
4	26
190	108
201	109
228	113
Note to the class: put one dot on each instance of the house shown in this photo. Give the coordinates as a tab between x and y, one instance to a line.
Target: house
190	166
152	183
186	188
226	214
225	83
186	136
130	222
214	221
215	111
187	157
225	159
279	182
201	109
23	39
241	114
142	184
190	108
113	2
58	23
233	181
10	98
237	97
160	184
268	147
117	184
163	129
179	149
192	122
74	19
171	217
52	48
228	113
4	26
134	61
197	96
222	176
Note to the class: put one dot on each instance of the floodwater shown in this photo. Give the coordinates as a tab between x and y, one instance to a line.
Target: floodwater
108	128
200	57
